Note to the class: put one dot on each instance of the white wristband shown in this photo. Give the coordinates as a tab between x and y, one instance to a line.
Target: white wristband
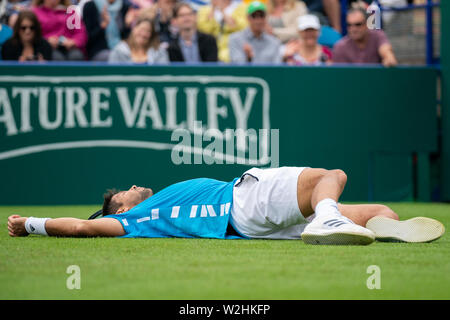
36	225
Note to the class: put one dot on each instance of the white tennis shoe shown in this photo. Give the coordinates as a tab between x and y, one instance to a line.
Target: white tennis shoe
419	229
336	229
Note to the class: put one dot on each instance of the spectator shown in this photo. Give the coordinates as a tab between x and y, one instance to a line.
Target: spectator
306	50
142	46
5	33
27	43
62	28
161	12
253	44
102	20
12	9
116	10
362	45
96	20
190	45
328	12
283	16
220	19
135	7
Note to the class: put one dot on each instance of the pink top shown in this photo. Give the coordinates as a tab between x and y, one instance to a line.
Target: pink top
56	22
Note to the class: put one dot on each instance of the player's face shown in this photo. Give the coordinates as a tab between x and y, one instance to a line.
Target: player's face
133	196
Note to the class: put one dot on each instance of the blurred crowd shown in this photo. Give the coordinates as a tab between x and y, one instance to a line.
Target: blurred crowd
290	32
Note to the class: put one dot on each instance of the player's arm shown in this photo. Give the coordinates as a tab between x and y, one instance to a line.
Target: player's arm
68	227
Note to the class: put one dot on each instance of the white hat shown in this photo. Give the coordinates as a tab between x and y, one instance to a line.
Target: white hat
308	21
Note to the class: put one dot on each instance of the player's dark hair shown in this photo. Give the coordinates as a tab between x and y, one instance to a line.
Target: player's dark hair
110	206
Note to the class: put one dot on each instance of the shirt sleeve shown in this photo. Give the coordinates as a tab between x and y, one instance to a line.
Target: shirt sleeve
46	50
9	52
118	55
237	54
339	54
162	55
381	38
204	23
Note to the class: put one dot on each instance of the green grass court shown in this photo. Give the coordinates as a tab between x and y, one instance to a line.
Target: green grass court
34	267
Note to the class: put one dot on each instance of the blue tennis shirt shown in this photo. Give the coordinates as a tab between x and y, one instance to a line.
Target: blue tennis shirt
197	208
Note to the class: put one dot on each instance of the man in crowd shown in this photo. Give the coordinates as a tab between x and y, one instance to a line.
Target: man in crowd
190	45
362	45
254	44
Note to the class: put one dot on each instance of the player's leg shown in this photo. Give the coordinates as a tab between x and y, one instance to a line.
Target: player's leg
318	191
361	213
316	184
384	222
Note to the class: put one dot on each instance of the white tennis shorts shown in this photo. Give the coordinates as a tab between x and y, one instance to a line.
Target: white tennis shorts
265	204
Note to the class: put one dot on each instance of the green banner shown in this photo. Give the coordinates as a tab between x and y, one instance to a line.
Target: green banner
69	132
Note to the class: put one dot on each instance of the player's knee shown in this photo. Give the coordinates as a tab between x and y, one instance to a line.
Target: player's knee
314	176
340	175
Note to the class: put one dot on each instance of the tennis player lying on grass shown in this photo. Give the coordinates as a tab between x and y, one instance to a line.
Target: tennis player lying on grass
276	203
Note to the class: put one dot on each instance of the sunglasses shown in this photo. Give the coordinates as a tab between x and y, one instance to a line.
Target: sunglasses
23	28
359	24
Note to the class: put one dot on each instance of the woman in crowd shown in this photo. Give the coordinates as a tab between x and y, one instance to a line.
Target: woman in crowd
104	20
220	19
62	27
27	43
306	50
283	16
162	13
142	46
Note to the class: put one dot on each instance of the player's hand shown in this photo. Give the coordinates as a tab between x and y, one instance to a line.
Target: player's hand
16	226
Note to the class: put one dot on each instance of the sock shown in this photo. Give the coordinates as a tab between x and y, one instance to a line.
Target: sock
327	207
